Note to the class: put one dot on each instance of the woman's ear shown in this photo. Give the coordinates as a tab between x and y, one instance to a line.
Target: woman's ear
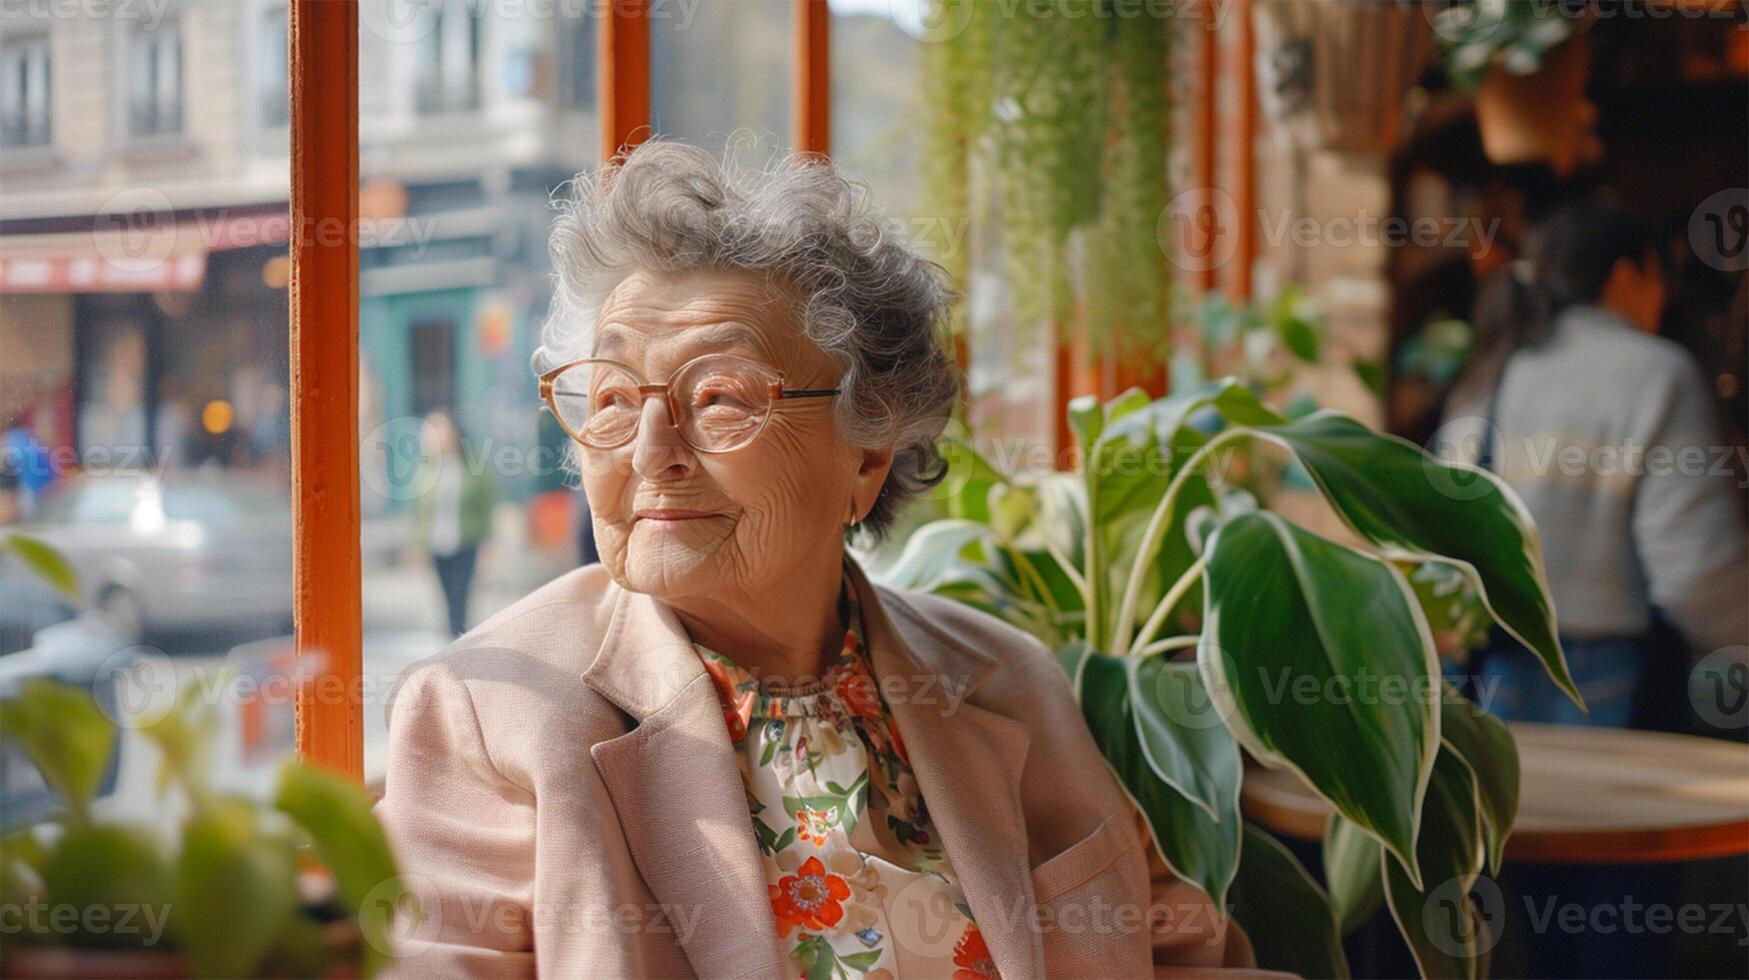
873	465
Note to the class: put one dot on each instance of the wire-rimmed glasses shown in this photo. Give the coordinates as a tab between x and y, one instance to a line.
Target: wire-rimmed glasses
718	402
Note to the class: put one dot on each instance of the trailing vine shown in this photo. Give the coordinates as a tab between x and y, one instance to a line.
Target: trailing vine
1050	123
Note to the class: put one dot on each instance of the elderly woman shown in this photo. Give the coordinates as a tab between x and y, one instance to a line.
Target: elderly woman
724	751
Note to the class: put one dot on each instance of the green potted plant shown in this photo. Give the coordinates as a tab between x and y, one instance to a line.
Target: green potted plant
1311	654
1527	64
236	887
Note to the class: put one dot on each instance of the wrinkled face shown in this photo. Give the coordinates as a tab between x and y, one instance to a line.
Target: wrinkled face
673	522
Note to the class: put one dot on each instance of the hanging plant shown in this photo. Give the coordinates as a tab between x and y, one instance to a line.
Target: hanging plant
1052	123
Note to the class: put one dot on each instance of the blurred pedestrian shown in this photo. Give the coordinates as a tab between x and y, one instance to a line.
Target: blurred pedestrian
28	459
454	515
1607	433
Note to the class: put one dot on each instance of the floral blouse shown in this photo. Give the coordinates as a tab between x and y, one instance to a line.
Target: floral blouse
857	877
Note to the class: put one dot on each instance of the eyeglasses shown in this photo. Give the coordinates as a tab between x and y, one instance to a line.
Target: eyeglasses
718	402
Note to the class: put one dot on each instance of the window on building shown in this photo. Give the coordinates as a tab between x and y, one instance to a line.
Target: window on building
24	87
580	69
155	81
275	77
448	69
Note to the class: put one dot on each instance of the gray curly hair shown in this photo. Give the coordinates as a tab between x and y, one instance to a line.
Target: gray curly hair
872	303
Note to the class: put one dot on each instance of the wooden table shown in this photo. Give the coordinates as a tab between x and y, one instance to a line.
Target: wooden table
1587	796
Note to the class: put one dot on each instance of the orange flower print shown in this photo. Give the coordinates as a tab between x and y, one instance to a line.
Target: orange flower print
858	692
813	826
898	743
737	705
972	956
810	898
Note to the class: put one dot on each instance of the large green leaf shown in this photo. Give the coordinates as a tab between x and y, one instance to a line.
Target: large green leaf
966	488
1485	744
935	552
237	890
48	564
1286	915
1351	869
113	868
1142	455
1182	736
1326	663
62	731
1193	844
1394	494
1446	932
336	813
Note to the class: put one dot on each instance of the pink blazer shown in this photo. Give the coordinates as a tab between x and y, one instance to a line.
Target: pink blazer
563	798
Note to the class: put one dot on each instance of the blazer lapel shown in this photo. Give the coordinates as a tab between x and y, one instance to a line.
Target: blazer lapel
676	786
967	761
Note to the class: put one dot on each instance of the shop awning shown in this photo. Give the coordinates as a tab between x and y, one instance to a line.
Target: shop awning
168	258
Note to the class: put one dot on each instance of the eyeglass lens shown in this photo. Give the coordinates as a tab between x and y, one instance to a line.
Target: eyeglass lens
721	402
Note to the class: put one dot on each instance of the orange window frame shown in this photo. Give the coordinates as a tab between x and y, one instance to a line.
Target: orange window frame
327	577
327	573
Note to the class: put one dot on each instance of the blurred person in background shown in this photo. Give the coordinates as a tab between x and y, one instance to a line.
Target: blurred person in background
1607	432
172	422
33	472
454	515
11	490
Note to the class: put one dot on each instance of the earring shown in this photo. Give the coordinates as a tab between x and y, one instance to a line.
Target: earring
851	520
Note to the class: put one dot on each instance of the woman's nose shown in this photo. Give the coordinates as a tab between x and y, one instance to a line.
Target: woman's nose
658	449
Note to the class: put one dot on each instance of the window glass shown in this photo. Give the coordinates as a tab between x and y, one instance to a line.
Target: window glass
154	89
24	91
144	376
723	69
472	116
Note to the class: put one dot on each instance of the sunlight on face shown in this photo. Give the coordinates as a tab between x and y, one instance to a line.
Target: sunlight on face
672	522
